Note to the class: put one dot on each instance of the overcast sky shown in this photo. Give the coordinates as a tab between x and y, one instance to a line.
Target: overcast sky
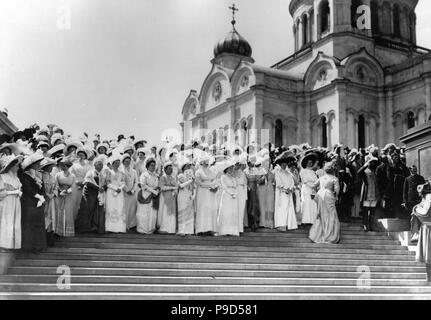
127	66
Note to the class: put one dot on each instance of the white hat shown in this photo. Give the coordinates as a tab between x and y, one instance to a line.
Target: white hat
143	150
6	162
128	147
56	137
42	143
72	143
225	165
31	159
57	148
83	150
204	157
167	164
115	157
151	158
184	163
42	138
12	146
47	162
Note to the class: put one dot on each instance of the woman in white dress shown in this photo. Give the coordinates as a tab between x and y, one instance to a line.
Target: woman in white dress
308	192
10	203
140	162
326	229
241	181
228	215
206	206
66	184
186	194
167	215
284	216
115	216
79	170
146	213
130	188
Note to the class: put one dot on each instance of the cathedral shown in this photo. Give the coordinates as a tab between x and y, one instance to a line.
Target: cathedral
344	84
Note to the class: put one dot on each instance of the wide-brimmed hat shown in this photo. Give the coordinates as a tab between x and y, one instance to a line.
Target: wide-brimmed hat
424	188
43	144
56	149
143	150
184	163
85	151
73	143
285	157
226	165
6	162
204	157
125	156
47	162
140	141
311	156
115	157
128	148
151	158
56	137
388	146
102	145
42	138
12	146
42	131
167	164
31	160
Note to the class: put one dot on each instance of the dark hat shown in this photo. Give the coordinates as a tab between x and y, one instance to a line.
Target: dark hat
311	156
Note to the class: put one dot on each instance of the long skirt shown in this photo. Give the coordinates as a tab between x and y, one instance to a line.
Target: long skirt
65	225
308	206
50	215
263	205
186	214
77	197
327	227
242	203
167	215
130	206
146	217
356	209
33	227
10	223
91	215
284	216
115	216
253	206
227	221
206	211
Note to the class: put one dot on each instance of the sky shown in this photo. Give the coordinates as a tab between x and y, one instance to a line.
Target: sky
126	67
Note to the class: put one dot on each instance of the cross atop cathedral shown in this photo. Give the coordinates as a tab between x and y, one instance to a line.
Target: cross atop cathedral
234	10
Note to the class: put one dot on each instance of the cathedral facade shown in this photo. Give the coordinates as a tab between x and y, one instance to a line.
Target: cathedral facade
344	84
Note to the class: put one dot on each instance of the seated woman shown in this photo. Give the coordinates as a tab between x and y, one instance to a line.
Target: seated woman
327	226
423	212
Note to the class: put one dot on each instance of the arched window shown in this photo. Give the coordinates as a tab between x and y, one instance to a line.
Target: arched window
324	127
396	20
304	30
411	122
324	16
361	131
412	21
278	133
298	39
375	17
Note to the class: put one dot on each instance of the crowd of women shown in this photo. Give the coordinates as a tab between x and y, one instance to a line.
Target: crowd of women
54	186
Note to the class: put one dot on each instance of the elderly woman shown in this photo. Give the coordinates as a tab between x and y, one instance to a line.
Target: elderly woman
309	179
10	203
91	216
130	188
115	216
327	226
167	215
423	213
206	193
228	215
66	182
284	216
186	194
32	202
148	197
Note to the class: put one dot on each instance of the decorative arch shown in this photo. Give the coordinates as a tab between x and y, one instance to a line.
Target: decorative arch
191	106
207	96
242	79
363	67
321	72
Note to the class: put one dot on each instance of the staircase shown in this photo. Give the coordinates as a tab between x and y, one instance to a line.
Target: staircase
261	265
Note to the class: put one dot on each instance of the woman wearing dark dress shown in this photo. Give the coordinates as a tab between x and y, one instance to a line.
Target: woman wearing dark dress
32	206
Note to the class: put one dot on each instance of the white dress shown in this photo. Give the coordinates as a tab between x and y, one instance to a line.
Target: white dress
10	212
284	215
228	215
308	205
115	216
206	205
167	215
146	215
130	200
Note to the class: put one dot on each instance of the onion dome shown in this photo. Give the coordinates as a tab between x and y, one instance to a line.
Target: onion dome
233	43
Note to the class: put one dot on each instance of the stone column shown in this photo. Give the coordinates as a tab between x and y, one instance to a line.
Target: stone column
258	114
428	97
390	137
341	118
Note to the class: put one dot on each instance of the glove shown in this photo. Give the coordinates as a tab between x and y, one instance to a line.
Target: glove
69	191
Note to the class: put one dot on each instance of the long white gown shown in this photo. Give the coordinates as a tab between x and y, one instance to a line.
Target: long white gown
167	215
228	215
206	205
308	205
130	200
115	216
284	215
10	212
146	215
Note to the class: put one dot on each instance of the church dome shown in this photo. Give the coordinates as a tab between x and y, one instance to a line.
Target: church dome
233	43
